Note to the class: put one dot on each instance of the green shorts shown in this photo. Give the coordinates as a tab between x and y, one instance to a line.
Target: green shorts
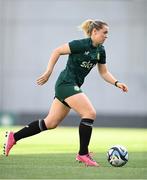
64	91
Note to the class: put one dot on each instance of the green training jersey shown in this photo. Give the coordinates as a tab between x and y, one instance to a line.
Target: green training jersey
84	56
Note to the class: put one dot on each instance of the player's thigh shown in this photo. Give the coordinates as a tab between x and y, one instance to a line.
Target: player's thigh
56	114
82	105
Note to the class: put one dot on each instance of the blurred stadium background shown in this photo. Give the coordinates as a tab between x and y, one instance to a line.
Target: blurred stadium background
31	29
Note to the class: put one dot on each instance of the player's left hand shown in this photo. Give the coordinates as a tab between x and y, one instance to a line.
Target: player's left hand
122	86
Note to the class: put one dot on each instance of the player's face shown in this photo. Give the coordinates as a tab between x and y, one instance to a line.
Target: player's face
99	36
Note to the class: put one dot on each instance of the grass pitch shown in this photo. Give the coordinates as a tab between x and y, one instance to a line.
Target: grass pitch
51	155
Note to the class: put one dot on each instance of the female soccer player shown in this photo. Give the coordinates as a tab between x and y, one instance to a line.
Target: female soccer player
84	54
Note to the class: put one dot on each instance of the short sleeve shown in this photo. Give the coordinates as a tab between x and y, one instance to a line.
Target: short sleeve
102	56
76	46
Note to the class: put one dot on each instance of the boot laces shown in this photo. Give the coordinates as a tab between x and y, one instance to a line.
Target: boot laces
90	156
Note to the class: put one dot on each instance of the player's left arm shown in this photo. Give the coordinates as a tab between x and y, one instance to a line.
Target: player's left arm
108	77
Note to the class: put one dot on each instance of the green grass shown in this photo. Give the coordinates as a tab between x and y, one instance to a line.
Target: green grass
51	155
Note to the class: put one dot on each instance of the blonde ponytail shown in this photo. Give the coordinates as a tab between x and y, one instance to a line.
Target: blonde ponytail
85	27
88	25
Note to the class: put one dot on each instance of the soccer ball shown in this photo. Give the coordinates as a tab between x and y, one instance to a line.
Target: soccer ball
117	156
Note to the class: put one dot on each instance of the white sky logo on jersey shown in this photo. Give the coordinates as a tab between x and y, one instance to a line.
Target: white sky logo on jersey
87	65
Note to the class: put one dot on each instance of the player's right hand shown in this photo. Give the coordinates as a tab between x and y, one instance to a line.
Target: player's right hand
43	78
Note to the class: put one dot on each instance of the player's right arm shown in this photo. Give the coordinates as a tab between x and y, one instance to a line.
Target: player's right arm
61	50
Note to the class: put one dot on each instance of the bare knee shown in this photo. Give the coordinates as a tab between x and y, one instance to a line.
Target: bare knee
91	114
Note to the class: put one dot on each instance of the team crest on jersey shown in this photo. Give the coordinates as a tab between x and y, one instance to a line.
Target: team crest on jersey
76	88
98	56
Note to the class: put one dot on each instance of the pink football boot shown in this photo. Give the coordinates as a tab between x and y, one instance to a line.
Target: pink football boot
9	143
87	160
